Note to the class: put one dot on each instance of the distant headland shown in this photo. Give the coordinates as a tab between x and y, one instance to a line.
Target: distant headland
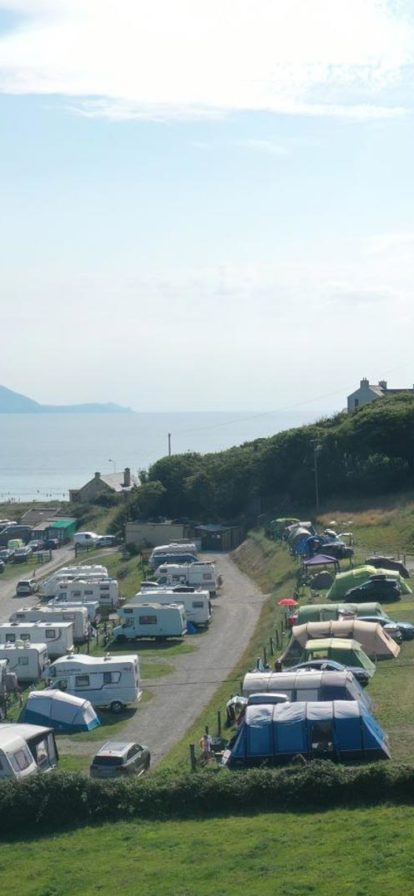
14	403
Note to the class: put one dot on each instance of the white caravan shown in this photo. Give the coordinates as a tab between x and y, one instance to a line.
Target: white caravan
187	547
197	604
106	681
69	573
151	620
91	606
105	591
78	616
58	637
26	750
26	659
200	574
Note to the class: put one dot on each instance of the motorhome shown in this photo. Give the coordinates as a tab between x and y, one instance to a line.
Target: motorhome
151	620
106	681
26	750
78	616
69	573
91	606
106	592
27	659
173	549
182	557
200	574
58	636
197	604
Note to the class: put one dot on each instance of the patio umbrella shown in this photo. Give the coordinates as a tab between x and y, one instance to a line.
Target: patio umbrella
288	602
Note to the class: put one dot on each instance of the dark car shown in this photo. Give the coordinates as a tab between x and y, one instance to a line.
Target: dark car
51	544
36	545
26	587
377	588
361	675
107	541
406	629
388	563
120	758
22	554
337	549
6	554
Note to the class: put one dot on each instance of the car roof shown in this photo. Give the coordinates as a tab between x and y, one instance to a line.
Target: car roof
116	747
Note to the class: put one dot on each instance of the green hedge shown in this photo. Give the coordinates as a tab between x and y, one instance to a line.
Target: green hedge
60	799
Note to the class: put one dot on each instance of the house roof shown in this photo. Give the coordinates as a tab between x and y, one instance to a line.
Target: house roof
115	481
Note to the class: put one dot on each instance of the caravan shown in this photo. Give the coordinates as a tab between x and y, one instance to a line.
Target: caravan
91	606
200	574
26	659
78	616
106	591
197	604
105	681
26	750
69	573
151	620
58	637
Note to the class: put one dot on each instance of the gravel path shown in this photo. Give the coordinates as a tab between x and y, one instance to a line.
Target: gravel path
178	699
9	603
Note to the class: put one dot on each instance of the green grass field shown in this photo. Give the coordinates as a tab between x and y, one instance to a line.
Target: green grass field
348	852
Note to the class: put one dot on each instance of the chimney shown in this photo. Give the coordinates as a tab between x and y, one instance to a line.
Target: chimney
364	383
383	384
127	477
97	475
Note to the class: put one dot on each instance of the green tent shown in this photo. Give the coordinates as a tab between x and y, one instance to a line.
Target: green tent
320	612
345	580
343	650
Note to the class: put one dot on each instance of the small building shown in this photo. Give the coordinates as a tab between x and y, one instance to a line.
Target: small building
151	535
47	523
105	484
215	537
368	392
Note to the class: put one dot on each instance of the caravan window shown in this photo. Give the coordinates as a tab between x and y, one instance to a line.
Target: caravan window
111	677
81	681
76	594
20	760
23	661
10	639
207	576
148	620
50	634
88	591
198	603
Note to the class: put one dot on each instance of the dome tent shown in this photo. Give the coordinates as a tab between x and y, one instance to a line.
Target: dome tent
60	711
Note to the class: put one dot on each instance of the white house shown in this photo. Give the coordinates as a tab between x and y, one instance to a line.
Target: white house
368	392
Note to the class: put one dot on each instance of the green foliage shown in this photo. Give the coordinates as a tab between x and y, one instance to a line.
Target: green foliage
143	503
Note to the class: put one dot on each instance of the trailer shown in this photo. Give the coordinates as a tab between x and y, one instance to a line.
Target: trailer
151	620
187	550
91	606
58	637
197	604
27	660
111	681
105	591
69	573
78	616
201	574
26	750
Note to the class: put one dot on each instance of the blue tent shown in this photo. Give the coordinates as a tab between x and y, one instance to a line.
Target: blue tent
340	730
60	711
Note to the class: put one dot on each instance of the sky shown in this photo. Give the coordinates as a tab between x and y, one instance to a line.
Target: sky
206	205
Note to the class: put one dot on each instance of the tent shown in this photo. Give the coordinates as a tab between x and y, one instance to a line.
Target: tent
388	563
277	527
342	650
60	711
371	636
320	612
321	560
297	540
306	685
346	580
340	730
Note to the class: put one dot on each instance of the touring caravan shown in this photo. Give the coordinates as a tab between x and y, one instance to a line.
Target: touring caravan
197	604
58	637
26	750
199	574
175	548
69	573
91	606
78	616
27	659
151	620
111	681
106	591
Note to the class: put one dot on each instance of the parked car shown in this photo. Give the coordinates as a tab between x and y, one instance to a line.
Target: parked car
6	554
107	541
36	545
51	544
378	588
22	554
120	758
361	675
26	586
406	629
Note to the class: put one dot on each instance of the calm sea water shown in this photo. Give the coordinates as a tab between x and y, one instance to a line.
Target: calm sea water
44	456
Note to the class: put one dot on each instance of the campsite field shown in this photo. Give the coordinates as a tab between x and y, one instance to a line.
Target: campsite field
351	853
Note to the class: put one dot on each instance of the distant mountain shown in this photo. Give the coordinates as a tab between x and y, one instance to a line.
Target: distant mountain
14	403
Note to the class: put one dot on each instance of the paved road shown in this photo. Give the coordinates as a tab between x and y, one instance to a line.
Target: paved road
178	699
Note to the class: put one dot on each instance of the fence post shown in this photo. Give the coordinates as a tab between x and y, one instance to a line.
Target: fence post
219	723
277	638
241	687
272	647
193	761
265	656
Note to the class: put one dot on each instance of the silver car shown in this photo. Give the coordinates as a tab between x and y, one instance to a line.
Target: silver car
120	758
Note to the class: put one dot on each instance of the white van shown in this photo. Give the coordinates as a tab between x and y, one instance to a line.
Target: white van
86	539
105	681
151	620
78	616
197	604
27	659
26	750
200	574
58	637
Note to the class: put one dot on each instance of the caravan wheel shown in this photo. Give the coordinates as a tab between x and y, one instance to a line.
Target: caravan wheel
116	707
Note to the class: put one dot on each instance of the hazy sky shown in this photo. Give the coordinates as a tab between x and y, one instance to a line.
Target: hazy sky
206	204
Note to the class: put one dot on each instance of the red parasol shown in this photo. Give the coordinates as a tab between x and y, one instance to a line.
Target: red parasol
288	602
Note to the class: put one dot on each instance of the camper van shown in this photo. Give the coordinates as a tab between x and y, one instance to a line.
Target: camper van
199	574
78	616
58	637
173	550
197	604
26	750
151	620
105	591
91	606
27	659
69	573
106	681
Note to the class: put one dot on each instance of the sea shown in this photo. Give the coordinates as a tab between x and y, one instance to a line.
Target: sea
43	456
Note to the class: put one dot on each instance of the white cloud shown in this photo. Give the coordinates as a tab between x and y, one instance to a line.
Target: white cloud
186	58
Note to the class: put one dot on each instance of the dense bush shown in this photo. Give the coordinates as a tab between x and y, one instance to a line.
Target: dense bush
60	799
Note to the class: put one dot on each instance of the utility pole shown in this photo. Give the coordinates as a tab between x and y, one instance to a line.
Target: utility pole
316	450
169	444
